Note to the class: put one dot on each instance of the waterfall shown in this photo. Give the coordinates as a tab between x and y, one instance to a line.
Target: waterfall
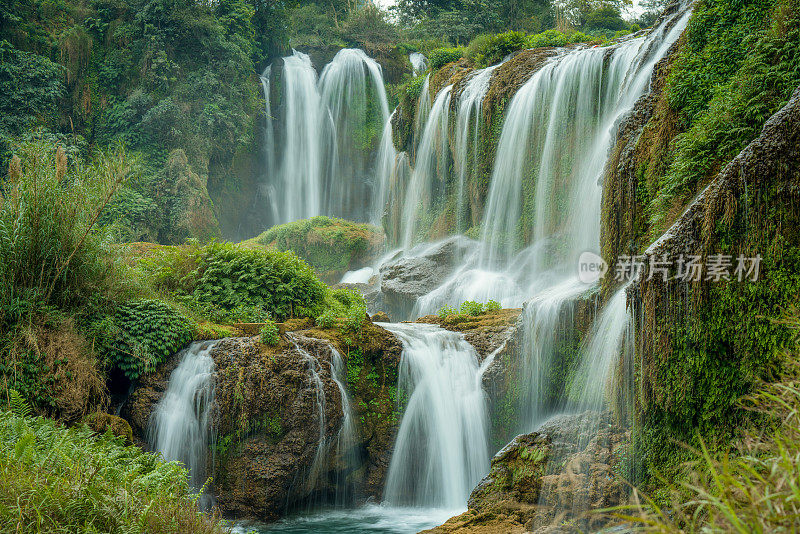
321	148
419	63
299	179
441	447
422	113
351	86
268	190
468	134
430	167
556	135
179	427
387	157
346	437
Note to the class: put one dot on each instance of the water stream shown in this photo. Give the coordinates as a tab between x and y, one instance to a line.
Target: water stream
180	426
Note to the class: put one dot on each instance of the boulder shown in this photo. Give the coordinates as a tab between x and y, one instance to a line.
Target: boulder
421	271
550	478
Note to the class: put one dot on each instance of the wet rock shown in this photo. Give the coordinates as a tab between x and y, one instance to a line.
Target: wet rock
420	272
267	418
380	317
549	478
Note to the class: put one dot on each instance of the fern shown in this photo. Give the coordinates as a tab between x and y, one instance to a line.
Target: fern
18	405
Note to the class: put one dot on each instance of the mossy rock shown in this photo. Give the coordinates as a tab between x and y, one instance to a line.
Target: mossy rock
102	422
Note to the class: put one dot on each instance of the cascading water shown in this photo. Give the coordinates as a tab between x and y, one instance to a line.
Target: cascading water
346	437
468	134
352	86
430	166
321	158
298	180
441	447
556	135
419	63
180	426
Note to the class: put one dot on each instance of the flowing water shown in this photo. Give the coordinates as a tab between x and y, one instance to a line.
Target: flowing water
419	63
555	139
320	150
180	426
441	447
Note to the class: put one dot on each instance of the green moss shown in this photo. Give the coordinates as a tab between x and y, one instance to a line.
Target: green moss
327	244
739	65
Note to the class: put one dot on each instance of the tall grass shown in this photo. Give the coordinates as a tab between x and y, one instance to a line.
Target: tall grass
754	488
52	252
59	480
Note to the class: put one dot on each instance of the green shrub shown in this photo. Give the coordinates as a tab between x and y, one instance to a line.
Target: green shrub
734	72
413	88
442	56
327	319
52	253
54	479
356	315
487	50
327	244
269	333
230	277
446	311
141	334
548	38
471	308
493	305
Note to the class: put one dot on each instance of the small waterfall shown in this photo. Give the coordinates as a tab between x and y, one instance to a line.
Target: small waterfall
343	447
441	448
314	369
386	164
352	87
346	438
268	190
423	111
430	167
299	180
321	149
468	134
180	426
419	63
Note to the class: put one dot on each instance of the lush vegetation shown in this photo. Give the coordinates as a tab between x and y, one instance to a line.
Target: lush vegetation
739	65
750	488
329	245
54	479
231	283
468	308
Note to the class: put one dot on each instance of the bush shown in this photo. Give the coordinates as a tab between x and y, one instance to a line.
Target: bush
234	277
52	252
446	311
269	333
493	305
141	334
327	244
54	479
326	319
471	308
442	56
548	38
487	50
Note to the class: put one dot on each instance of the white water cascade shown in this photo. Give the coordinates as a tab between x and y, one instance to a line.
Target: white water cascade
557	133
180	426
419	63
468	135
441	448
322	158
431	166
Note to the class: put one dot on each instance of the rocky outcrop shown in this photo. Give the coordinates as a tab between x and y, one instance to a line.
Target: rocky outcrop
271	403
550	478
421	271
724	334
